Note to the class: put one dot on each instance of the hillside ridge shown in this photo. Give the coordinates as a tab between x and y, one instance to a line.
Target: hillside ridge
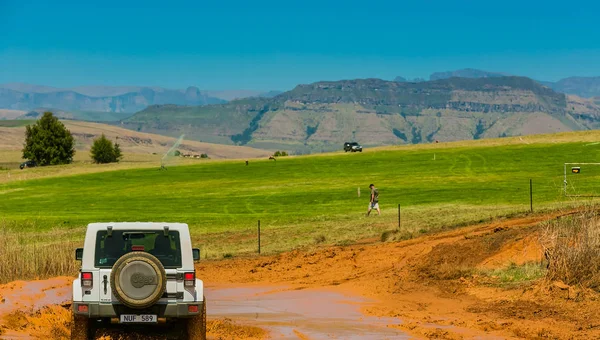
321	116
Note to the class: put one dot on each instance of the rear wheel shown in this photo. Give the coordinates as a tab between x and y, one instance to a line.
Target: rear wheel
81	328
196	326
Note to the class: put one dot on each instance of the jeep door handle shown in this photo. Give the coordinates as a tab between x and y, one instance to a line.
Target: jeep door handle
105	281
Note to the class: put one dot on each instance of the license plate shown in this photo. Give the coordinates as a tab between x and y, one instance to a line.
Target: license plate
131	318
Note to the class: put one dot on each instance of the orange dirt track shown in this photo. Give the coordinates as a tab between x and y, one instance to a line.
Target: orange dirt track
422	288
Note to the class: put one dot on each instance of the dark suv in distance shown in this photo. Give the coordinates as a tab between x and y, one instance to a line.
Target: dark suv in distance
28	164
352	147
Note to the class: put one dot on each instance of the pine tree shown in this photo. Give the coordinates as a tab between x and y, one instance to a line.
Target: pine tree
48	142
117	152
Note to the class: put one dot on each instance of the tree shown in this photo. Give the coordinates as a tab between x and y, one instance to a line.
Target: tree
103	151
118	155
48	142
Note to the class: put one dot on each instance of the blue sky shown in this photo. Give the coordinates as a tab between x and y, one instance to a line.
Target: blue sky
267	45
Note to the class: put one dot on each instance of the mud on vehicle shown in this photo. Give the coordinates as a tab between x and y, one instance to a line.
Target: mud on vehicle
136	274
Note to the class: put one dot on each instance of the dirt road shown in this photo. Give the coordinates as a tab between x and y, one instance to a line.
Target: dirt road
430	287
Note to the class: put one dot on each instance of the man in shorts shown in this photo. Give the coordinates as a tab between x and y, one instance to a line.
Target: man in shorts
374	203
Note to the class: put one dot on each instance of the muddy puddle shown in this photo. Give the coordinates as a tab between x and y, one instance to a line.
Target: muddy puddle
291	314
285	312
29	296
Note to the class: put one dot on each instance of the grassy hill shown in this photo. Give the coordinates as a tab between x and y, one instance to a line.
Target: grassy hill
303	199
137	146
323	115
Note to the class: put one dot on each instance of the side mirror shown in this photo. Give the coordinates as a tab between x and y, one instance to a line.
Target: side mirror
196	254
78	254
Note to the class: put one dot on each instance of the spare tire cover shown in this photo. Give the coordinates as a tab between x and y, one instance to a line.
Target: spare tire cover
138	280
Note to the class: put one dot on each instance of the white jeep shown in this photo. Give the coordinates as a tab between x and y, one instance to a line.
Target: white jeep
138	273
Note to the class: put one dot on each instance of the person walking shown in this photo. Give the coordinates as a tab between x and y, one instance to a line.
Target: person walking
374	203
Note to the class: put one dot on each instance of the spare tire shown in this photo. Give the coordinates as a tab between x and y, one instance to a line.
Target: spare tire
138	280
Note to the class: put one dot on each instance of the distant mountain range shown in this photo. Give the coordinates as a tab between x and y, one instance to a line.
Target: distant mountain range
585	87
119	102
323	115
454	105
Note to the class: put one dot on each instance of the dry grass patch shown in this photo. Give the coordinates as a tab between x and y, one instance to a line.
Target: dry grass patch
572	248
28	256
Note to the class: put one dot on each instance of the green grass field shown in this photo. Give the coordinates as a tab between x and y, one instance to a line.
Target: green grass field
306	200
300	201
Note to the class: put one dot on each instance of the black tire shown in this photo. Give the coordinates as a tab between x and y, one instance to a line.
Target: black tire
157	277
81	328
360	150
196	326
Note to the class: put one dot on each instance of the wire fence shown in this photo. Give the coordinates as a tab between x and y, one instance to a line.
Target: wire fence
28	255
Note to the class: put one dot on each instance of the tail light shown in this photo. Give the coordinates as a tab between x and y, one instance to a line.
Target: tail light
82	308
87	279
189	279
193	309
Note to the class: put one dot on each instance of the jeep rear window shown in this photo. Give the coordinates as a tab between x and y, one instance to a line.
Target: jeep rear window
165	248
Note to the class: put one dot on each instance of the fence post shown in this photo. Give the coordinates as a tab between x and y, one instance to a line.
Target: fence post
259	236
399	217
531	194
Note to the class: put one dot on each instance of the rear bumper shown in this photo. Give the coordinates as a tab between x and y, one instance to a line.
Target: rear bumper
171	310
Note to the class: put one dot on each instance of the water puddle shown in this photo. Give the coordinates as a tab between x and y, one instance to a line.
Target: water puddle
318	314
287	314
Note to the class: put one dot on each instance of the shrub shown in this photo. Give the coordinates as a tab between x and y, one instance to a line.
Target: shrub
204	155
572	248
177	153
48	142
277	154
103	151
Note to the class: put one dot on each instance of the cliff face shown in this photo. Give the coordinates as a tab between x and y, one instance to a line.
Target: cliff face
506	94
